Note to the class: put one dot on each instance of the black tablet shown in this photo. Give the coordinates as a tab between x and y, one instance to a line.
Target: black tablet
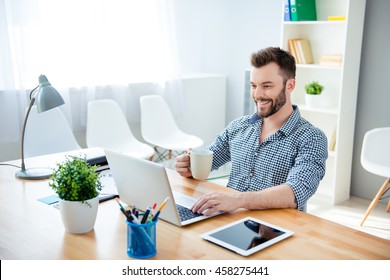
247	236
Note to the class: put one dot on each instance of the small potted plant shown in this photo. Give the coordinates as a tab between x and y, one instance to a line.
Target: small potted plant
77	186
313	90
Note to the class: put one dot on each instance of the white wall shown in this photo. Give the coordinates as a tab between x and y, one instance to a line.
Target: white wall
204	106
218	36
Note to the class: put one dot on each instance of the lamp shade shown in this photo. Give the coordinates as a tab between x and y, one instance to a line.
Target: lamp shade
47	97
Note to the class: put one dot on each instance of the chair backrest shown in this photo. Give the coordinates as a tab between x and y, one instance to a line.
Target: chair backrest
107	126
156	118
48	132
375	156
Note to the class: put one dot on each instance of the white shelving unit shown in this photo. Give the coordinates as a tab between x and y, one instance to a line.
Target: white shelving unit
341	84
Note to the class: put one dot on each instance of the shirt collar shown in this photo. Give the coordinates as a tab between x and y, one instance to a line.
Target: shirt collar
291	122
288	126
254	118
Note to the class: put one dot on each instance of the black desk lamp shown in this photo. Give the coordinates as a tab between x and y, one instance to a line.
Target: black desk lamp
47	98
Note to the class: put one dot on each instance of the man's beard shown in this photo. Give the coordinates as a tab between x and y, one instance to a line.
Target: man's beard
275	104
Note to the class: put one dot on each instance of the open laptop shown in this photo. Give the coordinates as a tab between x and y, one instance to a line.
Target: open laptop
142	183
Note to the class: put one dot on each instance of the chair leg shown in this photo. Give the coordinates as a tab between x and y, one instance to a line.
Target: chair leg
376	199
388	206
160	155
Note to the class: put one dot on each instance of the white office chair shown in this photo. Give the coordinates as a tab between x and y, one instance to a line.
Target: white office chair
107	127
375	158
159	127
47	133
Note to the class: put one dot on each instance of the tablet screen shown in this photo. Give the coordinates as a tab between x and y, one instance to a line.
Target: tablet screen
247	235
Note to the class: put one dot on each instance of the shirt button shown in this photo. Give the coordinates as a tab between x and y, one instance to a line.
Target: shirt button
251	174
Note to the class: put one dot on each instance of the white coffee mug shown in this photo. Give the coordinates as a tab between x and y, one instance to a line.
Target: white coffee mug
201	161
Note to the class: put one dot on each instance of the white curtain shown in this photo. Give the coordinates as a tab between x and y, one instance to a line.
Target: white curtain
88	49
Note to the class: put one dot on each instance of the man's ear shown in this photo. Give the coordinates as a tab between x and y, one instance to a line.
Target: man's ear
290	84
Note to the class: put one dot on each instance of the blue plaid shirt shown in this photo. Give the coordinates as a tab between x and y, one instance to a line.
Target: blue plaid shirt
295	155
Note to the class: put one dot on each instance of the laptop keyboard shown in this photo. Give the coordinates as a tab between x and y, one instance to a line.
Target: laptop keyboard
185	213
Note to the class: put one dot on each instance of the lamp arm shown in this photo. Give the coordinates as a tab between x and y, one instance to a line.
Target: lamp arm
31	92
32	101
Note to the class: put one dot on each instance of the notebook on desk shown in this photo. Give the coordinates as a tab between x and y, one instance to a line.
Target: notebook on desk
142	183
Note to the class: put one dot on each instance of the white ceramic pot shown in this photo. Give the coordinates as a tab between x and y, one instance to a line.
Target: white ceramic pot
314	101
79	217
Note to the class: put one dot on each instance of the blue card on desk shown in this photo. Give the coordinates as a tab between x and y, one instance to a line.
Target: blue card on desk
49	199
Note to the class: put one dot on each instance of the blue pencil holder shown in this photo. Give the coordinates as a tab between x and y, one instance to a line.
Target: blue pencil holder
141	240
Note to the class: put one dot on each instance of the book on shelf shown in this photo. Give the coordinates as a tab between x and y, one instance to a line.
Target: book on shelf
301	50
331	59
287	14
303	10
297	52
337	18
332	142
291	49
305	51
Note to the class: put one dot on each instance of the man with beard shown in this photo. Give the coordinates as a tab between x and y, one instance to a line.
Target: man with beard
278	158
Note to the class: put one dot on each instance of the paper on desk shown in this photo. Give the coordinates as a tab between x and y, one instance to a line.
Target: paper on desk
108	183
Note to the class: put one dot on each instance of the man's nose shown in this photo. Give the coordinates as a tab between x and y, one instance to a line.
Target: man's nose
257	93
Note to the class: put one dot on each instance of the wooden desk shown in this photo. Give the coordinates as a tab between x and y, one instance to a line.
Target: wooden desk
31	229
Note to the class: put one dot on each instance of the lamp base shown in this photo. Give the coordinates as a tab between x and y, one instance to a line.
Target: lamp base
34	173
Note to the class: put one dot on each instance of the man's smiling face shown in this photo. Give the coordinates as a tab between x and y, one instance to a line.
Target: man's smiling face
268	89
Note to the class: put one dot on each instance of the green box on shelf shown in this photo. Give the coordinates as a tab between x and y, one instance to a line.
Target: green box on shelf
303	10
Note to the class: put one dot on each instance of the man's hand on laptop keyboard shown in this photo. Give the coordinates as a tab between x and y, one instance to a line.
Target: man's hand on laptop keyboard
210	203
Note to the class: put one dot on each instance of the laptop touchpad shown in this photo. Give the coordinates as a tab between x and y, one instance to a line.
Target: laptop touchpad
184	200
